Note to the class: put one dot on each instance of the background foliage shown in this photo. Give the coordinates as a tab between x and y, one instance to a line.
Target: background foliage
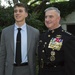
36	14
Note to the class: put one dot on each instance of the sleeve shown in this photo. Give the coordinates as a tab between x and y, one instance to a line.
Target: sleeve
69	55
2	54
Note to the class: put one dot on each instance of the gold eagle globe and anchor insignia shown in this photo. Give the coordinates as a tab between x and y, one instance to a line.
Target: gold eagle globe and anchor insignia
55	44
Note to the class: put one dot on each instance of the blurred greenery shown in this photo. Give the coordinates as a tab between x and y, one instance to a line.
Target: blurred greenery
36	17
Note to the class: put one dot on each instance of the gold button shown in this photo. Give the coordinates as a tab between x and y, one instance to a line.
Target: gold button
48	35
43	51
45	42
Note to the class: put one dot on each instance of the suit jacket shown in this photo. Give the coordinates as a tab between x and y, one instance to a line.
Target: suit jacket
7	49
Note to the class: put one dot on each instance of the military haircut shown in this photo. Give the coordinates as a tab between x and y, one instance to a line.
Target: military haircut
53	8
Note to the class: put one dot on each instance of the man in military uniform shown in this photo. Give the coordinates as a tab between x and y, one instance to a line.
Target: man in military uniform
56	51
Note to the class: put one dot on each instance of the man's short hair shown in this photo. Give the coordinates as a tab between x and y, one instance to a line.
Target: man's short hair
21	5
53	8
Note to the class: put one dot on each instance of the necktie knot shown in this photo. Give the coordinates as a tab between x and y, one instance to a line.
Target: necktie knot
19	29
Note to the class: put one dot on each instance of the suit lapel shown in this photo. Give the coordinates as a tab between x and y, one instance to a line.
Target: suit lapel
12	38
28	37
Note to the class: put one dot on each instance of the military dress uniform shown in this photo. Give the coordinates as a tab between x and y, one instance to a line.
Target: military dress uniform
56	53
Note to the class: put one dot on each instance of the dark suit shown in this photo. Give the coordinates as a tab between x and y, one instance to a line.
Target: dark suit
56	53
7	49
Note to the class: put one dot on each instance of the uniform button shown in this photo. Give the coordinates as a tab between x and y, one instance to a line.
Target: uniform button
55	66
40	41
45	42
48	35
44	45
43	51
41	59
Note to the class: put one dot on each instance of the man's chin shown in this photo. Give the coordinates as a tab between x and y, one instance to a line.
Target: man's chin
18	20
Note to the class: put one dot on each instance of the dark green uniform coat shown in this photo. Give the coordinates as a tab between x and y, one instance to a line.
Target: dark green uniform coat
56	53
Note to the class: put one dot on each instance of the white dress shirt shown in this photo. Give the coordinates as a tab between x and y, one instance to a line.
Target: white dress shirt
23	42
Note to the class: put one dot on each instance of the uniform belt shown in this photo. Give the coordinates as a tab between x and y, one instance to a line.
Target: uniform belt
23	64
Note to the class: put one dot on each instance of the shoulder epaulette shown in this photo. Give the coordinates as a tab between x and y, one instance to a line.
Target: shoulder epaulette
68	33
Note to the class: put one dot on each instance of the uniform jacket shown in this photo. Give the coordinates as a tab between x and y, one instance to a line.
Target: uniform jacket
62	44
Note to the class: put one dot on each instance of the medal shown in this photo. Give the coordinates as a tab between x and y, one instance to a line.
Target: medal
52	53
52	58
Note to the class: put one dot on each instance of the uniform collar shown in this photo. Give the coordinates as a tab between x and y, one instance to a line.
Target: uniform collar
55	30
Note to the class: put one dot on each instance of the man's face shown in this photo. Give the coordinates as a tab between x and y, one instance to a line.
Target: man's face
20	14
52	19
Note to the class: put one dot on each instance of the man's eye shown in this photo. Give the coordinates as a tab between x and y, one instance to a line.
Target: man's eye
15	11
20	11
50	16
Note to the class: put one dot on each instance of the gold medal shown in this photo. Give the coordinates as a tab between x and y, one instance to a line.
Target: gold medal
52	53
52	58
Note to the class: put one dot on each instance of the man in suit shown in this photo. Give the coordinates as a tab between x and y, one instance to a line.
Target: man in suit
28	43
56	49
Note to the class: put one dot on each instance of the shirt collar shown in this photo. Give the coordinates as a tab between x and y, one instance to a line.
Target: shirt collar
23	27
